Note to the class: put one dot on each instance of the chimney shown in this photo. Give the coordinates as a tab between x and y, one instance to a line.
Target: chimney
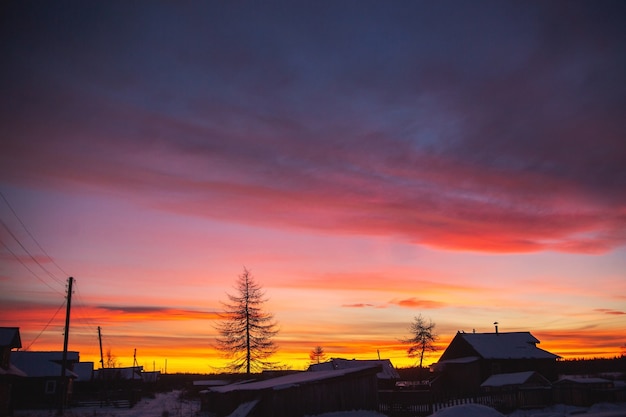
495	323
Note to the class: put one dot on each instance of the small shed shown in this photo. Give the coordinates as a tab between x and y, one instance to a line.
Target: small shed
518	390
299	394
582	391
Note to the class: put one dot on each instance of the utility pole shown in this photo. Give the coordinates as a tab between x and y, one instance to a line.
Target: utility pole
101	357
66	336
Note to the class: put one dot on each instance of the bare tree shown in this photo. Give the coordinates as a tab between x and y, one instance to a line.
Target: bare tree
110	360
422	338
317	355
246	332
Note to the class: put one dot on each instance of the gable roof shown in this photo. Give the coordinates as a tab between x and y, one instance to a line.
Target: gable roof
10	337
387	372
43	364
295	379
513	345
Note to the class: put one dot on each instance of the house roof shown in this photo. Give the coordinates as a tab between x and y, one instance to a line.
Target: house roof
516	378
10	337
388	371
12	370
582	380
287	381
43	364
513	345
84	370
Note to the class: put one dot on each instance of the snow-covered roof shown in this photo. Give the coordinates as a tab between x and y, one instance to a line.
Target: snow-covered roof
287	381
583	380
12	370
10	337
210	383
501	380
465	359
387	372
513	345
42	364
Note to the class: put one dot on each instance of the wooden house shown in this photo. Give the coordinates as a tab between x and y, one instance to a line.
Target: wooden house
471	358
298	394
42	386
387	377
9	373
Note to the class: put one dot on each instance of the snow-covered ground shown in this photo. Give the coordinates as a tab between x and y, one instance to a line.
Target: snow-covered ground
171	405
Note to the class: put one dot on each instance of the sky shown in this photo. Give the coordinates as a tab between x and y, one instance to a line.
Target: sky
367	161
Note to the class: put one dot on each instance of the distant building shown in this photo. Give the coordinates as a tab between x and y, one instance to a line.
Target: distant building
471	358
127	373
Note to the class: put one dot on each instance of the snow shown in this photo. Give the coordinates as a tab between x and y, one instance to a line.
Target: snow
387	372
500	380
359	413
163	404
170	404
468	410
561	410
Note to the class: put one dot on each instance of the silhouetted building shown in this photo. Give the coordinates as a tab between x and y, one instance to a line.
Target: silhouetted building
471	358
298	394
9	373
41	388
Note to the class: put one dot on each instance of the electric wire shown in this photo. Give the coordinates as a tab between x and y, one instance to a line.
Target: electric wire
29	270
30	234
46	326
58	281
82	306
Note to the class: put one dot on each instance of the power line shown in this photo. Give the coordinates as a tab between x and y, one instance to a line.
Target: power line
80	303
30	234
46	326
29	270
30	254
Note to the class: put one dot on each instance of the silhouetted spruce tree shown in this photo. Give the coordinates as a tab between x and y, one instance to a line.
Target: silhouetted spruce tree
317	355
247	332
422	338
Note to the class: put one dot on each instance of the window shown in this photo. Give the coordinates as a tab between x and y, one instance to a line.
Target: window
51	387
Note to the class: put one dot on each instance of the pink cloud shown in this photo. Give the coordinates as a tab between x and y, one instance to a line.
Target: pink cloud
417	303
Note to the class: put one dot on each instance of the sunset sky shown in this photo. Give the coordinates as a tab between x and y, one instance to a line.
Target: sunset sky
367	161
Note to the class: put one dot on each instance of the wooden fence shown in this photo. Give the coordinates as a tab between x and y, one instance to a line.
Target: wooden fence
423	403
